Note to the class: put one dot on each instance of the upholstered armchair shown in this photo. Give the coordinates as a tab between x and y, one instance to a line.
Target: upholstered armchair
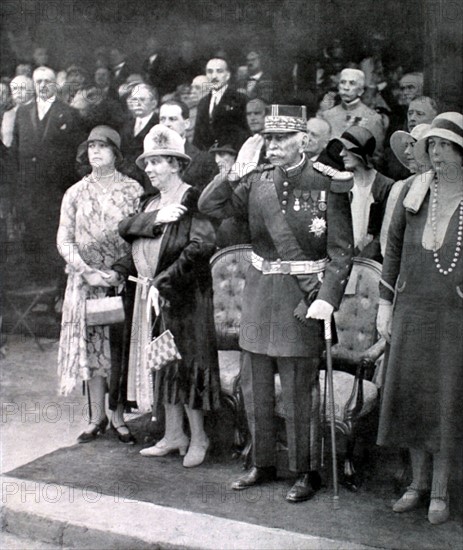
228	267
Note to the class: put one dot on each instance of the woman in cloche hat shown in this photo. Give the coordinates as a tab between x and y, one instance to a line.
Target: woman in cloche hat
171	248
89	242
423	276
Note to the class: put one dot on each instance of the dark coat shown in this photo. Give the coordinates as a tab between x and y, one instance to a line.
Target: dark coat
228	121
132	148
268	325
201	169
264	88
423	391
45	151
183	279
380	191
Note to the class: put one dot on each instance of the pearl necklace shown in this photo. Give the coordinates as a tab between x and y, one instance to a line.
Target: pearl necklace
456	254
104	188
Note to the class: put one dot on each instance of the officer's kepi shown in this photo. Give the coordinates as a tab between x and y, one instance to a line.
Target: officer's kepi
285	119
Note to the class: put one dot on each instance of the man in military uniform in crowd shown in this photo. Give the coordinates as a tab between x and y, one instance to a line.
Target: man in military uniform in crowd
301	233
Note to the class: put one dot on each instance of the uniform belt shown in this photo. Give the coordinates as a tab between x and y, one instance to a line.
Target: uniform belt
297	267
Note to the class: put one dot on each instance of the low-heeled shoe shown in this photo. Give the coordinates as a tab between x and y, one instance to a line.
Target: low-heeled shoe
255	476
85	437
196	455
408	501
305	487
163	447
438	516
127	438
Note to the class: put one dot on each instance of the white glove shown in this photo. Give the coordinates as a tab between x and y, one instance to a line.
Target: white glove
96	278
248	157
171	213
319	309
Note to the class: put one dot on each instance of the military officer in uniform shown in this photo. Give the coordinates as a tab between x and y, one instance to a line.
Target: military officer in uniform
301	233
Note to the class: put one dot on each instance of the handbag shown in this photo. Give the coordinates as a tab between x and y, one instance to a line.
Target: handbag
104	311
162	350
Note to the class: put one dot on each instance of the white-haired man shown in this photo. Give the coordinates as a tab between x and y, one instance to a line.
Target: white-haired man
353	112
46	134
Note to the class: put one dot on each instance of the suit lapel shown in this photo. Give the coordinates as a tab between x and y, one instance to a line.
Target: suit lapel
52	111
34	116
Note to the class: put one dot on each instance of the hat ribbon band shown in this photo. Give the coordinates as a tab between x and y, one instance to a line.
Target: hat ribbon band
443	124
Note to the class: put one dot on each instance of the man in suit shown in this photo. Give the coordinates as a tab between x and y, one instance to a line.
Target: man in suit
142	103
353	112
301	233
175	115
222	112
46	135
259	84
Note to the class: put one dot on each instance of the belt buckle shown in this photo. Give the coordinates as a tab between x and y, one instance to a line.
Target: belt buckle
285	267
265	267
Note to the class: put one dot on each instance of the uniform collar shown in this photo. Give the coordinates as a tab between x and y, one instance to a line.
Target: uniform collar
296	169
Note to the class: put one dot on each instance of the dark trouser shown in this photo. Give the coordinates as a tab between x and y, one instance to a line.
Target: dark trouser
301	401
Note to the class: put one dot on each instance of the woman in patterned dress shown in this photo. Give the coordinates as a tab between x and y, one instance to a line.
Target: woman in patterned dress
421	314
90	244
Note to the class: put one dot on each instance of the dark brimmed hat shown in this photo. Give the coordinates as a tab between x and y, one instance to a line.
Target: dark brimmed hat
357	140
106	134
164	142
225	148
285	119
447	126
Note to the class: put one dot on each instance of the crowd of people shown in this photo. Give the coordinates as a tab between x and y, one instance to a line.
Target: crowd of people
139	174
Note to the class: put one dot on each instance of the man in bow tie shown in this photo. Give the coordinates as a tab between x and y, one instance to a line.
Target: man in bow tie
222	112
46	134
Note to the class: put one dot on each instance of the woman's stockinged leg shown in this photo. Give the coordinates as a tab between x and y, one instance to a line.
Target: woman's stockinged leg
174	438
97	394
439	507
420	483
199	441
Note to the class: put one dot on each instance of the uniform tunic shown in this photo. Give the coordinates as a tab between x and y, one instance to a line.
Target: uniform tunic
322	228
422	400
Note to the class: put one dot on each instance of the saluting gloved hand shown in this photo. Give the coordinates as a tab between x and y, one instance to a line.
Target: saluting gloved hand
248	158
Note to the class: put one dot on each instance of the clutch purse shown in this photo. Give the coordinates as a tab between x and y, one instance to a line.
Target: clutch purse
104	311
162	351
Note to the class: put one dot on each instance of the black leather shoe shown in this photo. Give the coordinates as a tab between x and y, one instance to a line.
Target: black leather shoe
85	437
123	437
305	487
255	476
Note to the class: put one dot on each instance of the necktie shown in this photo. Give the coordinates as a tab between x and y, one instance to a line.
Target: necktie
212	105
138	126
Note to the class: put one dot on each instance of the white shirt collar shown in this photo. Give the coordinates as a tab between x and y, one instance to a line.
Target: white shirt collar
219	93
257	76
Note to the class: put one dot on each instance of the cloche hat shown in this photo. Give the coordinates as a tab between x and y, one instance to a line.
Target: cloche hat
162	141
446	126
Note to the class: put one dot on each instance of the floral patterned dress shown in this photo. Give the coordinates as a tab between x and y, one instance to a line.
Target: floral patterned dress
88	240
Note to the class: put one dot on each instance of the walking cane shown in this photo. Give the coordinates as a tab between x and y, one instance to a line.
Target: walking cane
329	375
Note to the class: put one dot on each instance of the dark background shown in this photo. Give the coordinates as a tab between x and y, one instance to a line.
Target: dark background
421	34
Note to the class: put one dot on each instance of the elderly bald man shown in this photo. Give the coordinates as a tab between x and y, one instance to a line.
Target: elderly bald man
46	134
318	135
353	112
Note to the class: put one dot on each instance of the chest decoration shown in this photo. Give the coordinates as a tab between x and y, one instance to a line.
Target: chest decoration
314	201
318	226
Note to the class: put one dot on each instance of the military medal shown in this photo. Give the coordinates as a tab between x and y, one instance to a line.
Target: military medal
297	195
322	201
318	226
305	200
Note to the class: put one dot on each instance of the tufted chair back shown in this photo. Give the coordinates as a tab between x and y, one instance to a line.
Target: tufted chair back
356	318
229	267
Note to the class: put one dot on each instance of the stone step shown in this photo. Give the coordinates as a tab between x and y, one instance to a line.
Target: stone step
68	517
